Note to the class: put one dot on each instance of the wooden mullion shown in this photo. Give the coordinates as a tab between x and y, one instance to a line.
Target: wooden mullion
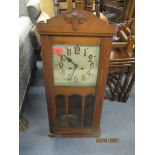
82	111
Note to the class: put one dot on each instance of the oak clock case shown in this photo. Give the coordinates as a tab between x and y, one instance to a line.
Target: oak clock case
75	65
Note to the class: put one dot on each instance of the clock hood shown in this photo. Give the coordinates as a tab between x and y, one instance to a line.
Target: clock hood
76	23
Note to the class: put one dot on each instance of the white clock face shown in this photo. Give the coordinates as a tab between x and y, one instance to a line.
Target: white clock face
75	65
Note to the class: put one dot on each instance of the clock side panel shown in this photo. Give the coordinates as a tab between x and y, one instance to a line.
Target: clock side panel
48	80
102	79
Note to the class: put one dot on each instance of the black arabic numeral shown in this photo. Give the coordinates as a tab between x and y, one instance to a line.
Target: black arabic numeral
68	51
91	65
90	58
77	49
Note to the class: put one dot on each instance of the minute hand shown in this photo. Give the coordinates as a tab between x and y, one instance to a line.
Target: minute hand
73	73
75	66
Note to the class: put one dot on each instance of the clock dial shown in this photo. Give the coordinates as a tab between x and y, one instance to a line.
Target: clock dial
75	65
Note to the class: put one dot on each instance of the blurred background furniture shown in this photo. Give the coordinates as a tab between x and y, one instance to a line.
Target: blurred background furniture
118	10
122	63
27	58
122	60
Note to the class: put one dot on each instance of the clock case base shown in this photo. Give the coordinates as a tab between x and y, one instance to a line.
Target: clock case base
75	133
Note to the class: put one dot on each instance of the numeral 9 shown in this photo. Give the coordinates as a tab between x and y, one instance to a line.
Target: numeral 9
90	58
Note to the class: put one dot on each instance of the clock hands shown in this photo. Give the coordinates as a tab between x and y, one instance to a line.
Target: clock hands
72	74
75	66
70	60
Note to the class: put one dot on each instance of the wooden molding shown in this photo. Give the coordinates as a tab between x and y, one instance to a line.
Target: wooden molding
75	18
76	25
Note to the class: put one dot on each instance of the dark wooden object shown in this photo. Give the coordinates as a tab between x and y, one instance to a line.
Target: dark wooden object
119	79
113	9
129	9
89	5
131	84
118	10
79	5
56	7
97	8
121	71
74	28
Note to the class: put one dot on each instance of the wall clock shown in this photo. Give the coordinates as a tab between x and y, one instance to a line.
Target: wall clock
75	50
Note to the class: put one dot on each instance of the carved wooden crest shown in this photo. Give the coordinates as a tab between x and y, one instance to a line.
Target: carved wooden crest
81	23
75	18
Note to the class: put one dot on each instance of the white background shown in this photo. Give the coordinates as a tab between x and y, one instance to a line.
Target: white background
145	77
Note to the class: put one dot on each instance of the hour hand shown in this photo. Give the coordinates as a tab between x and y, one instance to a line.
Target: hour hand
70	60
